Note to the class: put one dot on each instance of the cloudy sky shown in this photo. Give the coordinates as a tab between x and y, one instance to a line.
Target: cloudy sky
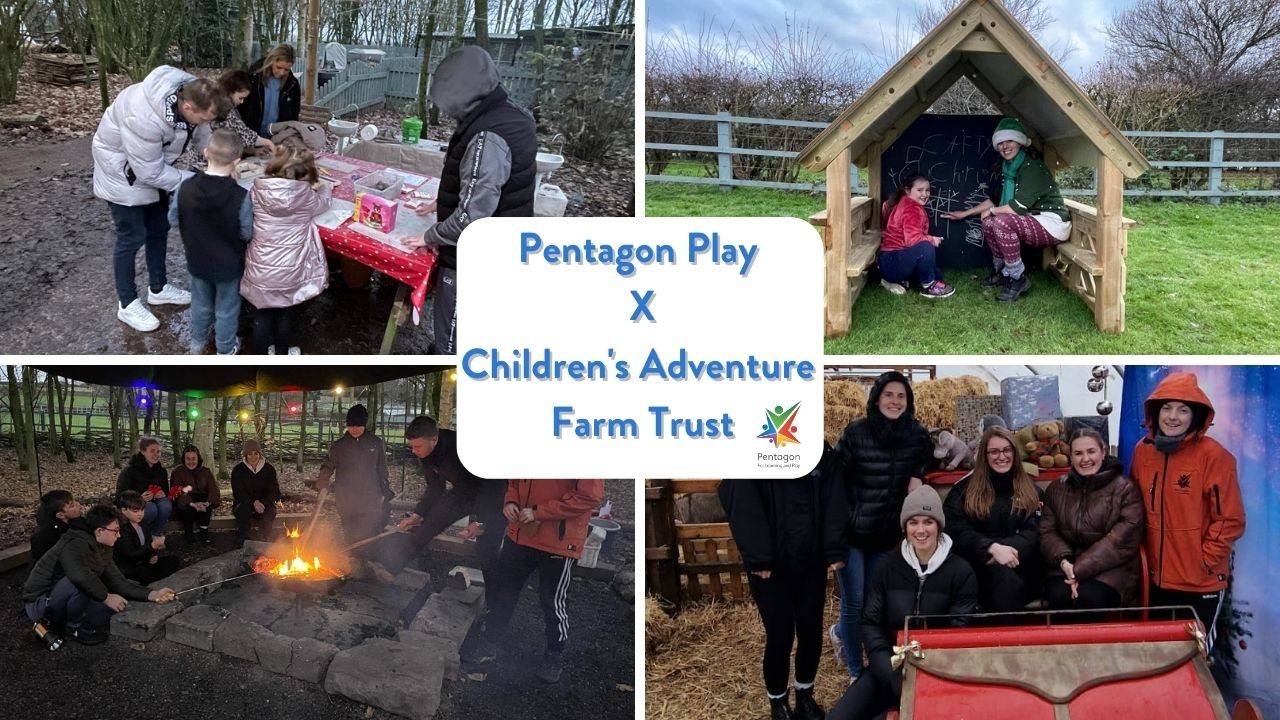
858	25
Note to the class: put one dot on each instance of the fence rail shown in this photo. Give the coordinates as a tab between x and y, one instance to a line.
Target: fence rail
688	562
724	150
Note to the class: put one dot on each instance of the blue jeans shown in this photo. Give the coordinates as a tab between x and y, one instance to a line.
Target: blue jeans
854	580
215	303
69	605
918	262
156	515
137	226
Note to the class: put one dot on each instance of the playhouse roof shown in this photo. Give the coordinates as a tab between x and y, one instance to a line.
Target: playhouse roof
982	41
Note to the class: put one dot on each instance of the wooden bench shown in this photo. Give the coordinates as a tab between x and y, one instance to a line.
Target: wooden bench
848	264
1077	262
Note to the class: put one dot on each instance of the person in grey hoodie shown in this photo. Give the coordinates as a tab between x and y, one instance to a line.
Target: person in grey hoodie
489	169
139	137
357	468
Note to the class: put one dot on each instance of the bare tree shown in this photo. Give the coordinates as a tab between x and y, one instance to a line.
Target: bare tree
134	35
1200	40
482	23
11	47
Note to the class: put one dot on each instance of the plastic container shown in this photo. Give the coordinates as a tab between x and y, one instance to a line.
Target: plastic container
390	182
411	130
610	528
591	549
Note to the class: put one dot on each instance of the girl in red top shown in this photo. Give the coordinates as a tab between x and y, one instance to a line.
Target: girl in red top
907	250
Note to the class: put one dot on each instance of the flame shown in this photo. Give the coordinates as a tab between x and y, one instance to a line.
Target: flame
292	532
296	566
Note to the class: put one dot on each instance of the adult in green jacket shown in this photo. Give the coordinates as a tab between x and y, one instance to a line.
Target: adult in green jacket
1023	207
77	584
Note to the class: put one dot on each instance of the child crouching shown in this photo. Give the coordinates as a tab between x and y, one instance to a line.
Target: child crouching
907	250
215	218
285	265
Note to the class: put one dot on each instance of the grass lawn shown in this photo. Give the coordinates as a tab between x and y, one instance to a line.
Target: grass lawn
1202	279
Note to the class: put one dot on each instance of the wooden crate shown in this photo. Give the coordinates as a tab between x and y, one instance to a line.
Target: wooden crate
63	68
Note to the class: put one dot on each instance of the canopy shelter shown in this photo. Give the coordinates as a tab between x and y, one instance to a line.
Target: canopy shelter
203	381
981	41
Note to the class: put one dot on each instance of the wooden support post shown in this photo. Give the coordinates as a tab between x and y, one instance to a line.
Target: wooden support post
873	183
313	40
835	238
1108	310
661	571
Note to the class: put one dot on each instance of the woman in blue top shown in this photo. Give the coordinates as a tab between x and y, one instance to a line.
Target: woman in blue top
274	94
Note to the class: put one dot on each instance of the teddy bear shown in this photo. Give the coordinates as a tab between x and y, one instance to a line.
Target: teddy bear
1043	444
951	452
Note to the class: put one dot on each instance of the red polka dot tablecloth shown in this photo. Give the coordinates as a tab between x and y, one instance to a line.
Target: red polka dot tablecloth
411	268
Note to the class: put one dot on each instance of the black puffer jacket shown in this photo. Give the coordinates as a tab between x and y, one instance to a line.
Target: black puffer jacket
879	457
87	562
973	536
138	475
897	591
790	525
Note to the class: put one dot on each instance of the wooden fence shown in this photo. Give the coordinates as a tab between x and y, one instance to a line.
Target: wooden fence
724	150
689	562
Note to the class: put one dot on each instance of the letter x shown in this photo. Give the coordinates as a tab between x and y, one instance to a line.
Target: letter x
642	306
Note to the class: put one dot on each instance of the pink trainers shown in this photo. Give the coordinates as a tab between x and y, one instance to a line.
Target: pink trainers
937	290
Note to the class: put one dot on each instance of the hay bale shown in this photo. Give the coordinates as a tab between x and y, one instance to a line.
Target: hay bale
659	627
709	666
844	401
936	399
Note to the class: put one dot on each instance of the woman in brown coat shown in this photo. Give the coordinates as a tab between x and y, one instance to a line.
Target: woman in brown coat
197	492
1091	530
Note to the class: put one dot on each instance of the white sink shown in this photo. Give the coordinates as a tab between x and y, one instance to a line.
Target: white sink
342	128
549	163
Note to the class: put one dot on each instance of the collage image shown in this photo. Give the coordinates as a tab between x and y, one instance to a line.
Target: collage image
1049	357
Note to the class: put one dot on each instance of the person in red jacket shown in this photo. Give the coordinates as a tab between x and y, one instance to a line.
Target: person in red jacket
907	251
1194	510
547	525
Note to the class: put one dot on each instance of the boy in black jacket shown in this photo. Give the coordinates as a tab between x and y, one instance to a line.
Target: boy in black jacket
76	584
466	496
215	218
57	508
790	533
137	553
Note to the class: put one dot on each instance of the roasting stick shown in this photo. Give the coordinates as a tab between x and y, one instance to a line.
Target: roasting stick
218	582
315	515
366	541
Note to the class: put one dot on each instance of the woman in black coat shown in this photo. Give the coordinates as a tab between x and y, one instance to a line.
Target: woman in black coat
883	456
275	95
142	473
993	515
789	533
924	577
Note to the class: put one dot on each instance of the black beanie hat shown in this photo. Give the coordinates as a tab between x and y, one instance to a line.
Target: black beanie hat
357	416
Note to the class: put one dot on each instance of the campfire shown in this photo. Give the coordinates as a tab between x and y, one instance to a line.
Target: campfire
295	567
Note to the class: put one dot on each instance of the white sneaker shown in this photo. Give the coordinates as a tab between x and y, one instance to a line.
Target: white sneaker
295	350
235	350
894	288
271	349
137	316
168	295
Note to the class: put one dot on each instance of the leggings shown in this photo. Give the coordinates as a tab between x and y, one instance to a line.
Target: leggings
1005	235
790	604
274	326
1092	595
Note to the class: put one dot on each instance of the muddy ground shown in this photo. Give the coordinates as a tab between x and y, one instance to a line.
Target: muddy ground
58	297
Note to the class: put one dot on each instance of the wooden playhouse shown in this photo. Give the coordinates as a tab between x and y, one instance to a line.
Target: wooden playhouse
979	40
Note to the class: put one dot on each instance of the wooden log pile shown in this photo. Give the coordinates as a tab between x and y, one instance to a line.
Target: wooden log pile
63	68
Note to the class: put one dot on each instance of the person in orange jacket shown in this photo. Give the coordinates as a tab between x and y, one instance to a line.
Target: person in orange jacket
547	525
1194	510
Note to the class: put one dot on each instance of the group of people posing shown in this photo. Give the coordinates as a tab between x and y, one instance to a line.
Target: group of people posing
165	154
88	565
996	544
1024	207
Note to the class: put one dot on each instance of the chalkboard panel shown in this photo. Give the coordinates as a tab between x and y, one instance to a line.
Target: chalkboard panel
955	152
